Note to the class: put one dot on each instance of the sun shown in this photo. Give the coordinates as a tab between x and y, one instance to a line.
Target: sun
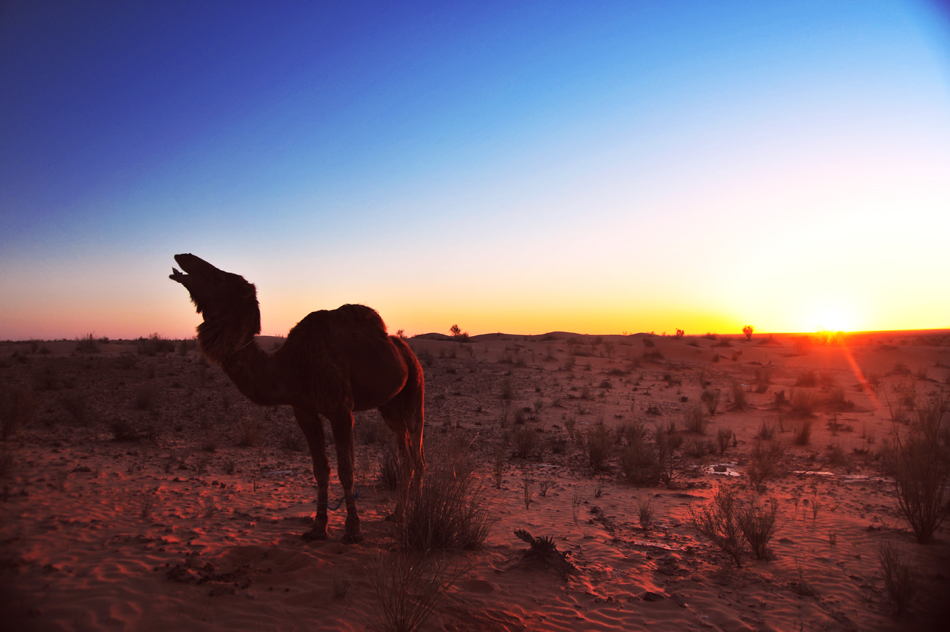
830	317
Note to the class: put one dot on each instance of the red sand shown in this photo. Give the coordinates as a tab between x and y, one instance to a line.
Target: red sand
220	546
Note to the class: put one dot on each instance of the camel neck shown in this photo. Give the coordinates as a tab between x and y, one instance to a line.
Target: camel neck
257	375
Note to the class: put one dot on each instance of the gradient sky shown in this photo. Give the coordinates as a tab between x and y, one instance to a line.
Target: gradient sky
520	167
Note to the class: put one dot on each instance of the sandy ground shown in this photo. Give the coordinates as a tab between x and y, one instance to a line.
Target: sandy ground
178	526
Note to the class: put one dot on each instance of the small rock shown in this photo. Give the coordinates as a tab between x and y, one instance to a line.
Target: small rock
652	596
679	600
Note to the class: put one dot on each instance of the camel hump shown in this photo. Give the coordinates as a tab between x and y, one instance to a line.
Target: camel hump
362	315
346	325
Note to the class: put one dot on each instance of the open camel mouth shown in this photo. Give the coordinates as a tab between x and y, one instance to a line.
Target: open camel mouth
191	265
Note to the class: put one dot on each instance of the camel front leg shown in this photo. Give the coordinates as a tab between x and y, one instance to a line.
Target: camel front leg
342	425
312	427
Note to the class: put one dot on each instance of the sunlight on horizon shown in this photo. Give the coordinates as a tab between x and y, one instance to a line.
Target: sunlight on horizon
523	168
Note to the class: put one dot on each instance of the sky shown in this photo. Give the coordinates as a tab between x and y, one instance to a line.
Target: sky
521	167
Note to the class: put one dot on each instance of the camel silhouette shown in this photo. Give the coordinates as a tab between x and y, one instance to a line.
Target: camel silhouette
332	364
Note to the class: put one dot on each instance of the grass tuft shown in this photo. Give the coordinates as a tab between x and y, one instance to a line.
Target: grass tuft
694	420
711	397
409	588
899	577
452	510
764	461
599	445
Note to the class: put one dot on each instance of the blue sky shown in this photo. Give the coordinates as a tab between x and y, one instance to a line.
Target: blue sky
519	167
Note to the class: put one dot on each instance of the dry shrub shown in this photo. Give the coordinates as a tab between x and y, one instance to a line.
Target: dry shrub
570	424
87	344
520	417
17	409
718	521
766	431
409	588
292	439
452	510
826	380
723	437
147	502
778	399
710	397
146	398
803	403
739	399
803	432
836	401
698	448
341	586
764	461
75	405
639	461
899	577
599	446
836	455
507	390
46	379
920	465
631	433
525	442
645	512
123	430
154	345
807	379
667	441
388	470
694	420
758	525
126	361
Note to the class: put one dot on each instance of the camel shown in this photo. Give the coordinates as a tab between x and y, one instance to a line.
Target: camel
333	362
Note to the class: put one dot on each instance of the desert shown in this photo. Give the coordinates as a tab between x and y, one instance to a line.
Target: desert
430	316
142	491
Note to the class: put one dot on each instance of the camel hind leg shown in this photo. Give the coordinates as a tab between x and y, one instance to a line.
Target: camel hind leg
312	427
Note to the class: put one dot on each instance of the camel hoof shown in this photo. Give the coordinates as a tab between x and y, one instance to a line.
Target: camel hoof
353	538
314	534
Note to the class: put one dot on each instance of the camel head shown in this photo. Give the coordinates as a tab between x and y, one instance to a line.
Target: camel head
227	302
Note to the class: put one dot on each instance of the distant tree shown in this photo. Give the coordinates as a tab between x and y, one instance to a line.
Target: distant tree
680	333
458	334
747	330
401	333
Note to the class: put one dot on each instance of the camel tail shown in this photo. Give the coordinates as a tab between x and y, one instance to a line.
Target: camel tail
410	403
